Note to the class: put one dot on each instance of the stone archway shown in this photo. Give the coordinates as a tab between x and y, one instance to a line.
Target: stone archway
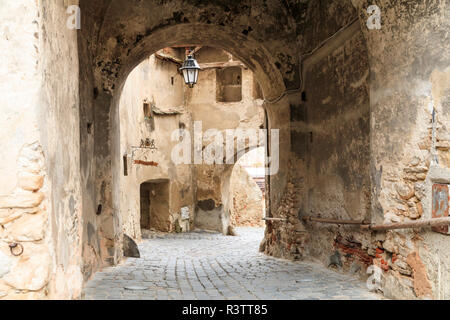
106	68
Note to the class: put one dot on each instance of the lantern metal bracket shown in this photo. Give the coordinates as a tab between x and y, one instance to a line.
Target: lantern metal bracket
190	70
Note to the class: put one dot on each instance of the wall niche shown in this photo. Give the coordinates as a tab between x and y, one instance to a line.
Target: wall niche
229	84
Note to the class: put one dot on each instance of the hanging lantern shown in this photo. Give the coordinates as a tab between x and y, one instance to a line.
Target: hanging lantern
190	71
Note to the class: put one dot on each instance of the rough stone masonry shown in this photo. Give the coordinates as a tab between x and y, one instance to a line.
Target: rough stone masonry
363	114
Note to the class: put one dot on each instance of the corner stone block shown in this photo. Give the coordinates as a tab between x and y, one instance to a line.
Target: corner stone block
31	271
9	215
30	200
29	227
5	264
31	182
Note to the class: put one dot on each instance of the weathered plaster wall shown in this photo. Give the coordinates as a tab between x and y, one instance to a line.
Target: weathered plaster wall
331	134
335	133
59	124
409	59
212	181
151	82
407	71
329	168
99	229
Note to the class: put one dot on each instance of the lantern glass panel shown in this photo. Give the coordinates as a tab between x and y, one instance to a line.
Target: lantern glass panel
185	75
191	76
196	76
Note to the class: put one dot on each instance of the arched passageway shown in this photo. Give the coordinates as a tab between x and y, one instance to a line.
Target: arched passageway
326	128
200	263
107	79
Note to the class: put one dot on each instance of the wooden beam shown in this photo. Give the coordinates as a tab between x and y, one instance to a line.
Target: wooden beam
166	57
220	65
197	49
204	66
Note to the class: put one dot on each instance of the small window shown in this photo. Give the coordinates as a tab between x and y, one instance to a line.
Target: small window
229	84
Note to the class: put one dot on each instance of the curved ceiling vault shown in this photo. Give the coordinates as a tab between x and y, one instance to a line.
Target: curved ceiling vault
262	35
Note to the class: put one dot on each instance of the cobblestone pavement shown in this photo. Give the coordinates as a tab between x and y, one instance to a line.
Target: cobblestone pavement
208	266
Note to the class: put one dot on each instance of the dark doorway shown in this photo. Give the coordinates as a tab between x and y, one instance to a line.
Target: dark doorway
155	205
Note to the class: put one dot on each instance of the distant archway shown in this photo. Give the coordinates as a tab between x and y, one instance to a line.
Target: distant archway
248	190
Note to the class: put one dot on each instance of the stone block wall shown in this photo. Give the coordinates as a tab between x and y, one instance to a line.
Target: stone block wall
25	256
287	238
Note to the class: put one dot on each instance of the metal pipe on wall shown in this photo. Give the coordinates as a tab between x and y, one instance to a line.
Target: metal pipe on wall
401	225
411	224
335	221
